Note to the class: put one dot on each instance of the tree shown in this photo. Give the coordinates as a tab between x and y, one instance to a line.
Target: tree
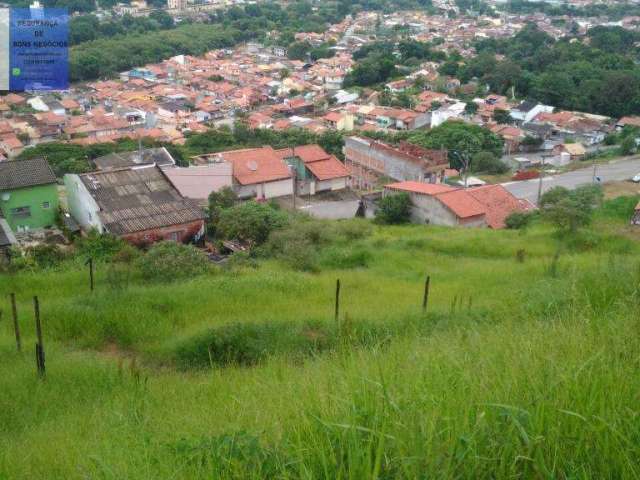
250	222
471	108
502	116
372	70
394	209
487	162
518	220
458	138
627	146
218	201
298	50
570	210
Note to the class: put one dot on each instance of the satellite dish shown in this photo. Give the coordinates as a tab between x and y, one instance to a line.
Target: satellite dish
252	165
6	197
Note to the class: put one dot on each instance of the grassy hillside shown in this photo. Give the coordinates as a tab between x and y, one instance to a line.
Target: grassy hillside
522	369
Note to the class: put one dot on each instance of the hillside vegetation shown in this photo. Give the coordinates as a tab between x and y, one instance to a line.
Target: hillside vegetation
525	364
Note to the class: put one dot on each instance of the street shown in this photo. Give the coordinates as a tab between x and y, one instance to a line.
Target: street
613	171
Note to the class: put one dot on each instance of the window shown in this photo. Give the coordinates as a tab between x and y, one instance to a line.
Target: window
174	236
21	212
46	205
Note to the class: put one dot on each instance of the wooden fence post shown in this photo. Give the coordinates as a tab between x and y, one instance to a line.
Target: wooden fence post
16	326
90	263
337	300
40	344
425	298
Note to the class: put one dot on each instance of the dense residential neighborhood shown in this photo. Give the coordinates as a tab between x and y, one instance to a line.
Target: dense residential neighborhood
308	239
260	87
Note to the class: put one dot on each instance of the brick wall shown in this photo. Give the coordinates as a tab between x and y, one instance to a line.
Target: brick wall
182	233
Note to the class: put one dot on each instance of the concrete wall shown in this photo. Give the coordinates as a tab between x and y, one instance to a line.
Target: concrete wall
332	184
278	188
82	207
181	233
382	161
429	210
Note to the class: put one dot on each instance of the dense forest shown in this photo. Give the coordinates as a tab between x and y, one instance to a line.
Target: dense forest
98	56
598	75
85	28
613	11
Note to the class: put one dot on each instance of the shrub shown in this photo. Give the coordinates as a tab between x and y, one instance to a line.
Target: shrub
249	343
353	229
45	256
167	261
518	220
36	257
569	210
553	196
620	208
298	243
99	246
250	222
344	258
218	201
394	209
487	162
627	146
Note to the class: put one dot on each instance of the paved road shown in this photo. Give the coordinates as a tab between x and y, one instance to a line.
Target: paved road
614	170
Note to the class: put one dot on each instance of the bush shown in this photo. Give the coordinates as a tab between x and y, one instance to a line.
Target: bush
620	208
518	220
627	146
487	162
394	209
249	343
218	201
36	257
297	245
250	222
167	261
100	246
344	258
354	229
553	196
569	210
45	256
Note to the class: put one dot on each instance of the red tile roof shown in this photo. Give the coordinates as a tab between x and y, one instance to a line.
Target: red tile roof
461	203
322	165
256	165
498	203
421	187
328	169
334	117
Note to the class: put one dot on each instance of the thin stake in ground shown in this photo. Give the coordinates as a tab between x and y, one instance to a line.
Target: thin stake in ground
16	326
40	344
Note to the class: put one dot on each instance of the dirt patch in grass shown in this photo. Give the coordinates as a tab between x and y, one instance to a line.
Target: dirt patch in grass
620	188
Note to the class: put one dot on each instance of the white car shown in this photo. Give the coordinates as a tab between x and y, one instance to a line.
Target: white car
636	179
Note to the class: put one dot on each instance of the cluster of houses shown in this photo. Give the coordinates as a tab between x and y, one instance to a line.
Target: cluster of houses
142	196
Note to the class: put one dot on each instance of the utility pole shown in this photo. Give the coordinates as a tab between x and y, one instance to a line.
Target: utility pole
540	182
294	177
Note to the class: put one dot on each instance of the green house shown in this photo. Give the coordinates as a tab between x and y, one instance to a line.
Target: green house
28	194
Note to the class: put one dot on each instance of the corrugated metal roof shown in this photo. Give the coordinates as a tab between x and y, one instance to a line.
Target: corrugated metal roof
25	173
133	200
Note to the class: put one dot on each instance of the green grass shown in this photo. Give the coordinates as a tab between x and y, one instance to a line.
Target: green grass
243	372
